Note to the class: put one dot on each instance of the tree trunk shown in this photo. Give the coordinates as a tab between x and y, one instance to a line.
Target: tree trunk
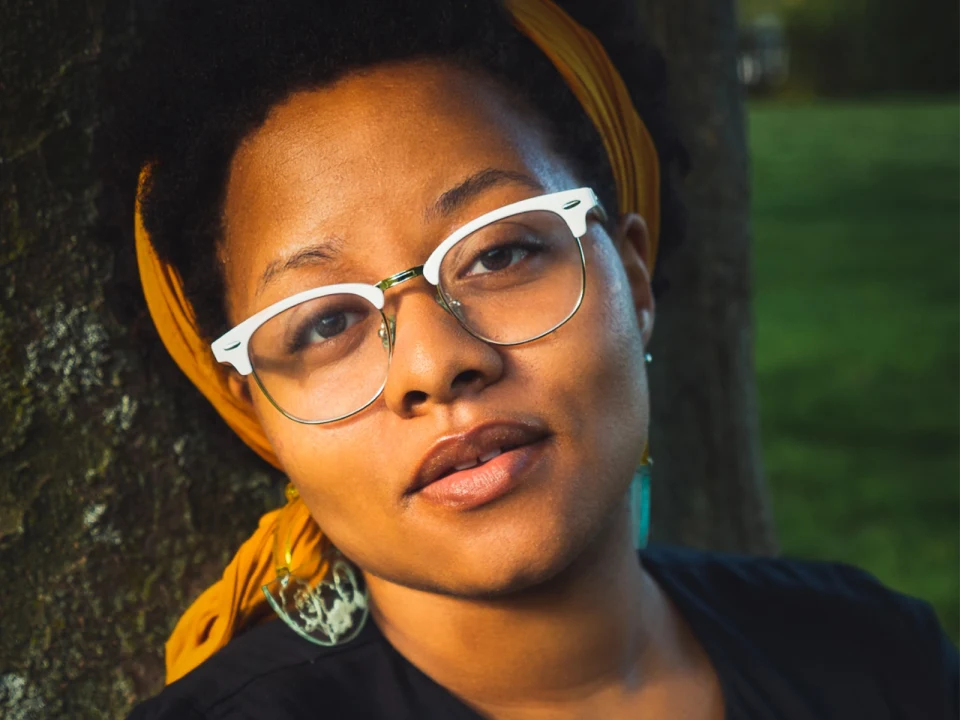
705	437
122	495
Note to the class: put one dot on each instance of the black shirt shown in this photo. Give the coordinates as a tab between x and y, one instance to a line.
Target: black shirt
789	639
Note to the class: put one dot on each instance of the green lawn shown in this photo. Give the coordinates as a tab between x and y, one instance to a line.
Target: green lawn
856	228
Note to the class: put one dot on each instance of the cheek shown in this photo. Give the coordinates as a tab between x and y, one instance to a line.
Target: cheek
604	380
327	464
606	355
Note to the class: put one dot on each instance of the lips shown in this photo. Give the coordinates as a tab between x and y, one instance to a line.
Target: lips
464	451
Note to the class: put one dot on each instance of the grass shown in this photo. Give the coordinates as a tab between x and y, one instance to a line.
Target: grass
856	226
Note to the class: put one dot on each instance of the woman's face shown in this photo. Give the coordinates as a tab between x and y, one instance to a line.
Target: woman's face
359	167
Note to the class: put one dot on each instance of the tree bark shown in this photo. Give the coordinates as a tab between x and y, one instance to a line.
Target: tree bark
122	495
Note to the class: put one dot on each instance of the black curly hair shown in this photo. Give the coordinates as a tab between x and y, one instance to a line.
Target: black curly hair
211	71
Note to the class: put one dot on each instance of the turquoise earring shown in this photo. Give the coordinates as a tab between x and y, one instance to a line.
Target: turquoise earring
640	504
640	495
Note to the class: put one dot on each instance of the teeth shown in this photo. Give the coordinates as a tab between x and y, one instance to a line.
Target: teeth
490	455
482	459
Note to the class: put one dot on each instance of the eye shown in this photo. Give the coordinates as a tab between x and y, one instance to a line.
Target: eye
499	258
322	328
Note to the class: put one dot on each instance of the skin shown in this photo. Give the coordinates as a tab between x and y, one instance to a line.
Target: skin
548	566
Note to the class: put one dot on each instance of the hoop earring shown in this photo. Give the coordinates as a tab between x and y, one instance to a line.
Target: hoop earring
332	612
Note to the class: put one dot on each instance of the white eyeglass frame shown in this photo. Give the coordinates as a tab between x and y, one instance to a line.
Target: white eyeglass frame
573	206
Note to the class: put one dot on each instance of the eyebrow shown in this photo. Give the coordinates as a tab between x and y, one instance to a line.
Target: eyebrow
459	195
322	251
329	249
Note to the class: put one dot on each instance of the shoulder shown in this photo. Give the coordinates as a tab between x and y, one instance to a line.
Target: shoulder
270	672
829	586
827	621
768	588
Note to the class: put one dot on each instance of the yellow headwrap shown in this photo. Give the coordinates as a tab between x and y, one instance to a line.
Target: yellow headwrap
289	537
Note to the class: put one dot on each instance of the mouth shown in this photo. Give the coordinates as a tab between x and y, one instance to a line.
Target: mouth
473	468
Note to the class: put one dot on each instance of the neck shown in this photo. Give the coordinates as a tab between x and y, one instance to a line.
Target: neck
600	626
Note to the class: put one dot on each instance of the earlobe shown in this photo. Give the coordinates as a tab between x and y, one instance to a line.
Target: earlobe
632	241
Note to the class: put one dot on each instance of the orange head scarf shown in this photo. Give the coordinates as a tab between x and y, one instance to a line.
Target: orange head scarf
288	537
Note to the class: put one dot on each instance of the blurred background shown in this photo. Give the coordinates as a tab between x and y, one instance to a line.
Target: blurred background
854	138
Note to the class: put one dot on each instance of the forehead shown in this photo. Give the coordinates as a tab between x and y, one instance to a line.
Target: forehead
363	159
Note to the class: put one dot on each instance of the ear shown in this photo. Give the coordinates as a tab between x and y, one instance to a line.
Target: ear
632	241
240	387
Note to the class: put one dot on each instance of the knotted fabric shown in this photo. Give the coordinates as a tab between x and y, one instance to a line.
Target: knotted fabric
288	537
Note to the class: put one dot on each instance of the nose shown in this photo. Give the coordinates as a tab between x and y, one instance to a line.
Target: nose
435	360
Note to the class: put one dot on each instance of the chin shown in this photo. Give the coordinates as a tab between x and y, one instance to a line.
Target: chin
514	560
522	542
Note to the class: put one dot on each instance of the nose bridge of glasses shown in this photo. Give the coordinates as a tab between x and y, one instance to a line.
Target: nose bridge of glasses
400	277
388	333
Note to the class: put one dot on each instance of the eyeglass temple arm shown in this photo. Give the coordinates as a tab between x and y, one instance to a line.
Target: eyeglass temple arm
600	211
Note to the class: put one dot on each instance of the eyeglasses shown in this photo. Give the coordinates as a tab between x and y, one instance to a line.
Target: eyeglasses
509	277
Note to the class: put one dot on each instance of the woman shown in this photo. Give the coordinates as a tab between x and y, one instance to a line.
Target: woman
418	238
